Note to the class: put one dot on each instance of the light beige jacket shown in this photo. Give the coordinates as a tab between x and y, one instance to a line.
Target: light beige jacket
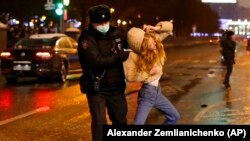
135	37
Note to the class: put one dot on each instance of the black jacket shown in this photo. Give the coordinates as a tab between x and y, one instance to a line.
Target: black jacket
98	56
228	50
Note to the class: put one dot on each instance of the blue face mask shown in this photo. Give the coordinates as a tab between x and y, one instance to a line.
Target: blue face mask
103	28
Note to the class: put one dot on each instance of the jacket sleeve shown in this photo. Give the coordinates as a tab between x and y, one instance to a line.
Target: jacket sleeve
131	70
166	29
89	54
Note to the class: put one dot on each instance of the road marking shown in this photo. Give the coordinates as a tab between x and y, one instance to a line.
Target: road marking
212	61
201	114
228	115
24	115
196	61
198	117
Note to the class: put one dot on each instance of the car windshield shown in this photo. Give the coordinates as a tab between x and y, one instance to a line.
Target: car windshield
35	43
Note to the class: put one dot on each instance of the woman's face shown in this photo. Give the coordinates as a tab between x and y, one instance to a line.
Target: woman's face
151	44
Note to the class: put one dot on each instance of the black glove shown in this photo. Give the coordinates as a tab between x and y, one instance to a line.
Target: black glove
117	46
118	50
123	55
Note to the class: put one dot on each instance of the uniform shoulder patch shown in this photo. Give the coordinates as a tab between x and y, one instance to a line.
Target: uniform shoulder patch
85	44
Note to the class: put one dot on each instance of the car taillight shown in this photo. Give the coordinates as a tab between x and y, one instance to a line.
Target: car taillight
5	54
45	55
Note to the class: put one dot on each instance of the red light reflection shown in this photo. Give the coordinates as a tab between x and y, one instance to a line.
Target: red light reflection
6	99
43	98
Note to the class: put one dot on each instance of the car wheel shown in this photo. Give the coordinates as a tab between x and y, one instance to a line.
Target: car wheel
63	73
11	79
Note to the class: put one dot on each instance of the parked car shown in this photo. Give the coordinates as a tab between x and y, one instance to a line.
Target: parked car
41	55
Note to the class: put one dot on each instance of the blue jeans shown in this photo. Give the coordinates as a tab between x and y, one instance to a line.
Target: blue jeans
149	97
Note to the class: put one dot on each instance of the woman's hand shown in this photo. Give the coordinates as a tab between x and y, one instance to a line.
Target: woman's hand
150	28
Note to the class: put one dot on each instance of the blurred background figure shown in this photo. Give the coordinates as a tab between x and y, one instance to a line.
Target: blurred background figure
228	51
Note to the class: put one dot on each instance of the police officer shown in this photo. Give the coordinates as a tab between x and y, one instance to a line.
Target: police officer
101	54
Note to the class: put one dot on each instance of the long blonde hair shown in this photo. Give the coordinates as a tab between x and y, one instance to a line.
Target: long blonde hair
148	58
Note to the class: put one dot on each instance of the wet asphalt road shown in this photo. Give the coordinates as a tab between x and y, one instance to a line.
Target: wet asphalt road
49	111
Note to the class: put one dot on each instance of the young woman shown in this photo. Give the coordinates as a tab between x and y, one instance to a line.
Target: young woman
145	65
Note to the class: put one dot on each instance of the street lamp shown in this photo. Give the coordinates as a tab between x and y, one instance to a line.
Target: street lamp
66	2
119	22
59	11
62	11
112	10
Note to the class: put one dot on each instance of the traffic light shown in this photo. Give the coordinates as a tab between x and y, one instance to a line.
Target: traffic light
59	9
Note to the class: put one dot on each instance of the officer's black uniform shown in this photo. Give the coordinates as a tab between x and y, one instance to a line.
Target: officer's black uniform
103	79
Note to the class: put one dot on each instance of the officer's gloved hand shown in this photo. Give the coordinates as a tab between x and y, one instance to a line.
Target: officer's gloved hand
123	55
118	50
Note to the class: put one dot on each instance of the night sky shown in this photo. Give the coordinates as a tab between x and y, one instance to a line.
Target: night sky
23	9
